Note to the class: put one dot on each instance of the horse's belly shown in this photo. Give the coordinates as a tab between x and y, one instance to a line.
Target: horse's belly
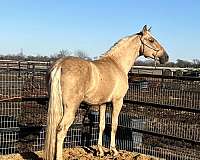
104	94
97	99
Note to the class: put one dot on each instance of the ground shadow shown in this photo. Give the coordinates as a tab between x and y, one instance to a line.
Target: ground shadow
27	137
87	126
30	155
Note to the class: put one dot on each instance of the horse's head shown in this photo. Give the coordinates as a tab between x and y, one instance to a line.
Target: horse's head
150	47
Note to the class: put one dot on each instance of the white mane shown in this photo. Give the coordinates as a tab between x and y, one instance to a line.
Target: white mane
119	43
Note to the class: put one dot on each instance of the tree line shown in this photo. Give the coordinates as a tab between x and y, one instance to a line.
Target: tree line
195	63
53	57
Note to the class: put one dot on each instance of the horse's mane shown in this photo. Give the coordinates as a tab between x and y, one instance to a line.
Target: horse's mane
116	45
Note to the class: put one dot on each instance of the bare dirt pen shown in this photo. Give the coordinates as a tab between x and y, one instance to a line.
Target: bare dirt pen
81	154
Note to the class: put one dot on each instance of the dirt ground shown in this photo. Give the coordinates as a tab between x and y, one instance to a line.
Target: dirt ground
81	154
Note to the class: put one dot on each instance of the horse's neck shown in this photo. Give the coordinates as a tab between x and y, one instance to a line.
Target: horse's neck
125	54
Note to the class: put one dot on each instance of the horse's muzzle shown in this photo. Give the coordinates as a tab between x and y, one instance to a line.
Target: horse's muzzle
164	58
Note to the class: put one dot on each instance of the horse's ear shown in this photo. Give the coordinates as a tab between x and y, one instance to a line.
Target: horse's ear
144	30
149	29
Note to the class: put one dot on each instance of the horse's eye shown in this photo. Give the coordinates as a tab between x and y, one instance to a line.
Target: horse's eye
151	40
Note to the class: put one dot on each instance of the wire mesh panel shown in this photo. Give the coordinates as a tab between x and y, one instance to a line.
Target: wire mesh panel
39	141
161	115
163	130
170	113
179	92
8	127
180	124
8	141
10	84
18	118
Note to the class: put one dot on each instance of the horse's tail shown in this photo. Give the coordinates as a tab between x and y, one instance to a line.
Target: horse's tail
55	112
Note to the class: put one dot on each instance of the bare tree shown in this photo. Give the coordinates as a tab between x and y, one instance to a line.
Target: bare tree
65	52
60	54
196	63
82	54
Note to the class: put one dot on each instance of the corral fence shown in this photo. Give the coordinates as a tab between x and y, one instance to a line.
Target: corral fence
160	115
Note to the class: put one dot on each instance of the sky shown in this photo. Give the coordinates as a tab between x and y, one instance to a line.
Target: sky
43	27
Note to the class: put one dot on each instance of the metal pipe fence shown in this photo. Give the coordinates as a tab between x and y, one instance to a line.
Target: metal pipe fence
160	115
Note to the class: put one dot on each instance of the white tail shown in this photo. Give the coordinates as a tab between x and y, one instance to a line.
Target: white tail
55	113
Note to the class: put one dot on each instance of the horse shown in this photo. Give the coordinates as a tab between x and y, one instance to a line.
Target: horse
73	80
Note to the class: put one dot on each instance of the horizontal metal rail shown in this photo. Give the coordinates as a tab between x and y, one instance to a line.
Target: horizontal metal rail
163	135
12	129
24	99
164	106
184	78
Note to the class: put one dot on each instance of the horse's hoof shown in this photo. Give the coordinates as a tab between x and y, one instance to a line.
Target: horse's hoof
114	152
115	155
99	154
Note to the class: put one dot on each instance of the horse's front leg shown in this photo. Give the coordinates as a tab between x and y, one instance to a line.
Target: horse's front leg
117	105
102	110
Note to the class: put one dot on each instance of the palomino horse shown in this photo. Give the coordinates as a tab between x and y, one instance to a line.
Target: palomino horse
74	80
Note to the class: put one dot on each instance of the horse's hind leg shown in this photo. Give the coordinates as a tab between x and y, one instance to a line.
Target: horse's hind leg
68	118
102	111
117	105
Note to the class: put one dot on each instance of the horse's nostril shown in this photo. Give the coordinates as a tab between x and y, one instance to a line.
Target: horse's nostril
167	57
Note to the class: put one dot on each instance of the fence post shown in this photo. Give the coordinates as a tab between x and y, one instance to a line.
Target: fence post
19	65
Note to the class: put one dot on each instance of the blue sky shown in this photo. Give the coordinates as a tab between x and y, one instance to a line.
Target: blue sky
43	27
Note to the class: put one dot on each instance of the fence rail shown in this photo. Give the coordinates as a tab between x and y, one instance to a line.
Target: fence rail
160	115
